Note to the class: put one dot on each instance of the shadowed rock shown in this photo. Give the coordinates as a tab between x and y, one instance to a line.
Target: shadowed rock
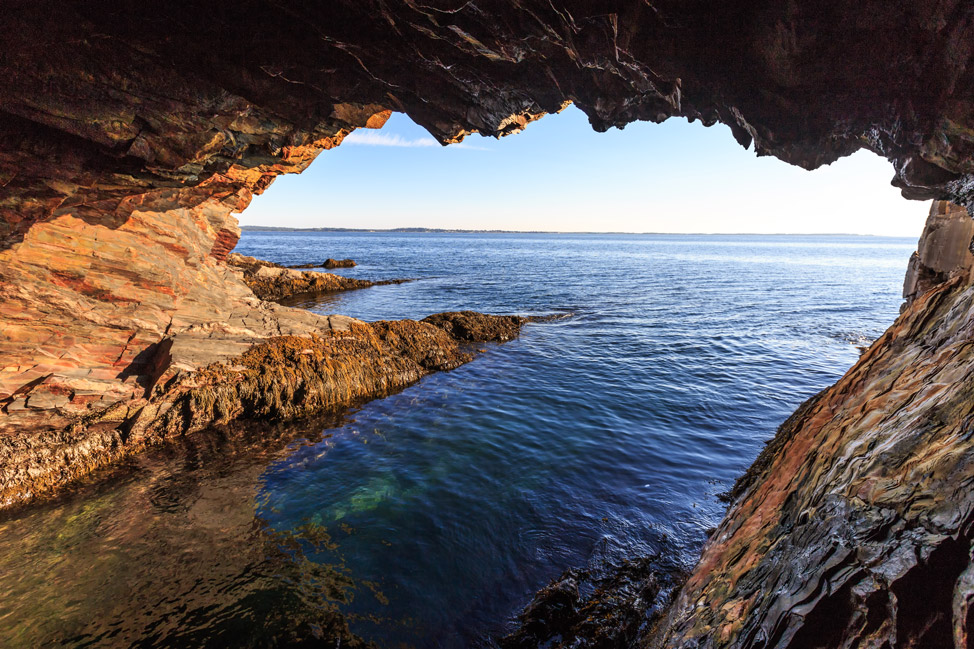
617	606
328	263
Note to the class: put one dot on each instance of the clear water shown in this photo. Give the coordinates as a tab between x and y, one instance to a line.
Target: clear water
429	518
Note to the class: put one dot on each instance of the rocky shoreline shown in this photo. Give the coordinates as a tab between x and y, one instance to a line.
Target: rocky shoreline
281	378
270	281
132	135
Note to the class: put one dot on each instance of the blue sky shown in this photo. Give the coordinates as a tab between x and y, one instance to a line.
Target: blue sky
561	175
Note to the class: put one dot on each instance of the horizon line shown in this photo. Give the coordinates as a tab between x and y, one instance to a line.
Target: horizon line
421	230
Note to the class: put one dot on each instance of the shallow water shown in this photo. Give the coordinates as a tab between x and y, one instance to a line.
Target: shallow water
430	517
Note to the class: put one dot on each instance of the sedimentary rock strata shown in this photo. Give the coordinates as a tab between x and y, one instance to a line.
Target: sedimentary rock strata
210	376
131	132
944	249
854	528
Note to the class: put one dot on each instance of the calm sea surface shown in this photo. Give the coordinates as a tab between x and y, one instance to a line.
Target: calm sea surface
429	518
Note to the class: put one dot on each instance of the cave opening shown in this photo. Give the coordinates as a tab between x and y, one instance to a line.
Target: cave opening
130	135
675	350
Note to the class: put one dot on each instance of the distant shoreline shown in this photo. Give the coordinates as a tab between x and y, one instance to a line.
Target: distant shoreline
270	228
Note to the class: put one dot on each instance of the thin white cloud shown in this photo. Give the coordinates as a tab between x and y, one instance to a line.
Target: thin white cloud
364	137
378	138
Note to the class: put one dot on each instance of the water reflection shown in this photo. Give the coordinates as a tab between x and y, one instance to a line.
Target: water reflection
170	553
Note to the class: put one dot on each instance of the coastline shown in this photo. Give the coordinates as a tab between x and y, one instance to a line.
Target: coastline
267	363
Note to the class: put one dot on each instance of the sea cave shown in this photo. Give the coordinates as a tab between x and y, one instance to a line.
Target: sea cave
131	135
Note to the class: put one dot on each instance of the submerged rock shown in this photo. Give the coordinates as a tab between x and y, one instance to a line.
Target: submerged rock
580	610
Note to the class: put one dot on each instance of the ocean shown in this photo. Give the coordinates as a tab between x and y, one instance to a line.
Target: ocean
429	518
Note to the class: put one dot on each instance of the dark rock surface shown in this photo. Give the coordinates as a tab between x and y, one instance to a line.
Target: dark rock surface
854	527
328	264
470	326
605	608
110	99
338	263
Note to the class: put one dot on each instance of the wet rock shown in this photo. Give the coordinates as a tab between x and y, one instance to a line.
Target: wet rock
328	263
338	263
212	375
552	612
470	326
273	282
855	526
614	608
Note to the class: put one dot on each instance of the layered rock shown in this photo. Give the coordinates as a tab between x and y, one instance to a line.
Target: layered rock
211	375
944	249
854	528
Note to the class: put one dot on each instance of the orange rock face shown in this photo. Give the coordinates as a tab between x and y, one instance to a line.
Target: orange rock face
91	291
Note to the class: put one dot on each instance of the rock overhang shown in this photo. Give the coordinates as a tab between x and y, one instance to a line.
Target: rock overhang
107	99
130	134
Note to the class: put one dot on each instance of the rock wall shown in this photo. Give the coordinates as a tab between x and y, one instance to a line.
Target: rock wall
131	132
944	249
854	528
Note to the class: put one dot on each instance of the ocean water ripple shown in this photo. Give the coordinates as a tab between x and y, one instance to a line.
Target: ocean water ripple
430	517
